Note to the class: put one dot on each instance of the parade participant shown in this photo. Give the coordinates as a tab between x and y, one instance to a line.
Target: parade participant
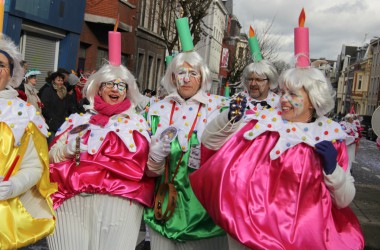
260	79
281	181
30	89
182	223
359	128
99	159
351	129
25	187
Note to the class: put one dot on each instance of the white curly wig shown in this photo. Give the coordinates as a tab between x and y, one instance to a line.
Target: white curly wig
263	68
196	62
17	74
318	88
107	73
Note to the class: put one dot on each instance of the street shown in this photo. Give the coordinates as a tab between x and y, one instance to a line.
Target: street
366	204
367	169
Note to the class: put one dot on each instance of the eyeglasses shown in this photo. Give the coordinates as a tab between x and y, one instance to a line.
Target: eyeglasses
119	85
257	80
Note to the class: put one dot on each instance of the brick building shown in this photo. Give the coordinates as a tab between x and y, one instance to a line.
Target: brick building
100	17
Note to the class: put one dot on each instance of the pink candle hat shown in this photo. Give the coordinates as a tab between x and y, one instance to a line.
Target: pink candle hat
301	43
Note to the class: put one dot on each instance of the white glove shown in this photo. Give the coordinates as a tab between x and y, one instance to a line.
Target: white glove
6	189
70	148
159	150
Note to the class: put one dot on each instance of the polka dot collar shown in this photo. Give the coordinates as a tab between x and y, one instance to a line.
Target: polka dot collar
17	114
293	133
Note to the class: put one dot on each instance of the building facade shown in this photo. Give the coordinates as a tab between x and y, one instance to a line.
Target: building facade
100	18
151	47
345	75
48	32
210	45
374	86
362	70
236	43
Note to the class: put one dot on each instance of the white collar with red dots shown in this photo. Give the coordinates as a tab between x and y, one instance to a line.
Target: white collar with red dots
185	113
122	125
294	133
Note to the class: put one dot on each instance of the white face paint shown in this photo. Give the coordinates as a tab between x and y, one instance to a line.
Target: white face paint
185	74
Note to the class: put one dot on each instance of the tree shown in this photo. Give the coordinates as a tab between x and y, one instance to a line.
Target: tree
269	45
195	10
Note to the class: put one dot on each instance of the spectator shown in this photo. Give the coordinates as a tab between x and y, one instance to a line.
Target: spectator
147	92
30	89
56	103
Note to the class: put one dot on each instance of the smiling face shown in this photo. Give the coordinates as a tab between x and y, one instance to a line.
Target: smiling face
188	81
58	81
296	105
258	86
113	92
5	75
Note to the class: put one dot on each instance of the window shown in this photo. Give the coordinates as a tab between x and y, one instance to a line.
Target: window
158	71
124	59
38	8
360	79
101	57
150	72
82	57
140	69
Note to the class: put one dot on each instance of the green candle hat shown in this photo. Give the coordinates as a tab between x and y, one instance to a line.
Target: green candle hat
254	46
227	90
184	34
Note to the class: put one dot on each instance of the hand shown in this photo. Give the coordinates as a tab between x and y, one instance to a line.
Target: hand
159	150
71	147
237	108
6	189
328	153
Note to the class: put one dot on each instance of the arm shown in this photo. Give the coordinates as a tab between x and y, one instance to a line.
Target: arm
29	173
60	151
340	183
219	130
158	152
341	186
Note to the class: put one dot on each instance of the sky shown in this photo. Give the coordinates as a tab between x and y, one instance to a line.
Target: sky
331	23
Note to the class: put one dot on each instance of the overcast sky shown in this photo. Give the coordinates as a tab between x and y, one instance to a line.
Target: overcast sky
331	23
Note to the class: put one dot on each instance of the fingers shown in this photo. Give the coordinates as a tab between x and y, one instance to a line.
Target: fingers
320	151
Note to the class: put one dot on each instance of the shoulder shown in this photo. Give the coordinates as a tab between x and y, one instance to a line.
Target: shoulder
17	114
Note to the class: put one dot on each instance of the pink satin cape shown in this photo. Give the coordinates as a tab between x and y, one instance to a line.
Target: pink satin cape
112	170
274	204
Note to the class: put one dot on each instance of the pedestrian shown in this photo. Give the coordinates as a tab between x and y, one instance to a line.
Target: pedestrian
73	81
181	117
98	160
55	103
30	89
25	188
279	178
147	92
359	128
351	129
